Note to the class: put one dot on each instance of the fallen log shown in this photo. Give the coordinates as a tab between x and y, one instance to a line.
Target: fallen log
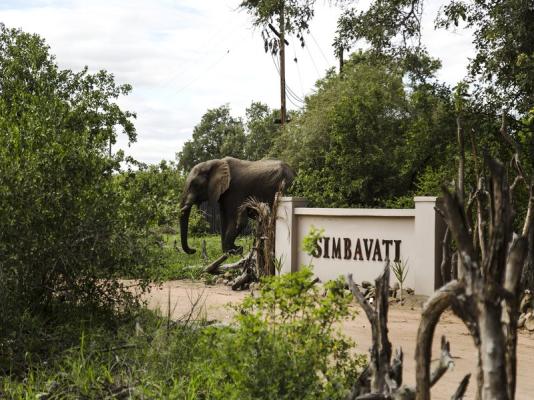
214	266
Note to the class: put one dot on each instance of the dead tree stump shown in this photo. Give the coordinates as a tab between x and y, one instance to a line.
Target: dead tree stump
382	379
491	258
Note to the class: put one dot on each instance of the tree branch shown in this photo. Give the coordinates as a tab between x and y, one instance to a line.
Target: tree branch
445	362
214	266
460	392
430	316
360	298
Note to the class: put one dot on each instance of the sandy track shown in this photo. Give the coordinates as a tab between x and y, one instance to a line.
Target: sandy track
403	324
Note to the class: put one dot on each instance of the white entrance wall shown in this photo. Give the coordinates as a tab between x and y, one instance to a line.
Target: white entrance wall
358	241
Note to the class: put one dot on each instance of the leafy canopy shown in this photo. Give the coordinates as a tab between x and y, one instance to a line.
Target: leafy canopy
296	16
365	138
503	65
66	233
217	135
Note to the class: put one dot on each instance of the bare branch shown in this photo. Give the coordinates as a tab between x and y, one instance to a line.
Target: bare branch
461	159
460	392
214	266
236	265
516	181
360	298
514	264
430	316
475	153
396	366
500	230
530	212
445	256
373	396
454	265
457	222
445	362
480	217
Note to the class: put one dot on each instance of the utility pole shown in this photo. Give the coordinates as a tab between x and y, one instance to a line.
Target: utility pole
282	67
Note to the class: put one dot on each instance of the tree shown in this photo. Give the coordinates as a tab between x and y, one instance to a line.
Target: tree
66	236
363	139
291	17
156	189
262	131
217	135
503	65
383	24
504	43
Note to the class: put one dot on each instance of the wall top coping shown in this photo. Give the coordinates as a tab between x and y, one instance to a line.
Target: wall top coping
356	212
417	199
429	199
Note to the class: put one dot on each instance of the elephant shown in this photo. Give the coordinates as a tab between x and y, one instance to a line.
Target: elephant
230	182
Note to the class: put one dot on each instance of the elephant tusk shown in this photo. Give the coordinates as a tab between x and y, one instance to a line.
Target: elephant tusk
184	208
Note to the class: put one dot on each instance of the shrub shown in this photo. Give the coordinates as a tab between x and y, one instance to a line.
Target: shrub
285	344
66	232
198	225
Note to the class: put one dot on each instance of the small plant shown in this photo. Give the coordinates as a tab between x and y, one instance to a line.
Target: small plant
278	265
400	270
286	343
309	243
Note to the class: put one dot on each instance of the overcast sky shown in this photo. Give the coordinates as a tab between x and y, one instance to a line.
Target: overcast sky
185	56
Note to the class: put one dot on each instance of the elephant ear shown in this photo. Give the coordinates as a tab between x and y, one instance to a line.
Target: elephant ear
219	180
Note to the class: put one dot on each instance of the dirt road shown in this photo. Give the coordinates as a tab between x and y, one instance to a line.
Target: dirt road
403	324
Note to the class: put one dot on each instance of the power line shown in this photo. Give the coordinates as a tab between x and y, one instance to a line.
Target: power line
298	69
313	62
320	49
290	92
295	96
220	35
291	101
210	67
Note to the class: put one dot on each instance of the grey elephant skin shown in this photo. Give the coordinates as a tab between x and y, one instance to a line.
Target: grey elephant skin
229	182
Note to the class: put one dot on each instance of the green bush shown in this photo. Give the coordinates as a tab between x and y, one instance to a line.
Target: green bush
67	233
156	189
283	344
198	225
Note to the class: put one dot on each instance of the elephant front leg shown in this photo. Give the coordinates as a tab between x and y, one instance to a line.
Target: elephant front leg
229	232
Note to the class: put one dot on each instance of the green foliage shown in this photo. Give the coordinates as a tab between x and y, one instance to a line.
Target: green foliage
180	265
380	24
400	270
297	15
155	189
217	135
363	138
309	243
198	225
67	235
504	43
262	130
287	331
283	344
143	358
503	65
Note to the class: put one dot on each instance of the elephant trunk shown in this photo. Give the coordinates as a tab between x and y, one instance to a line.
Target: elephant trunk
184	224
